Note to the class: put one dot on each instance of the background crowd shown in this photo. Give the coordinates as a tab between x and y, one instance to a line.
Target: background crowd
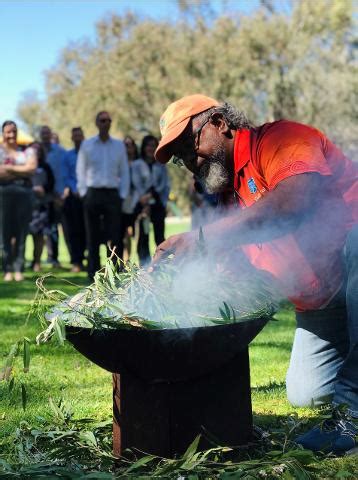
100	192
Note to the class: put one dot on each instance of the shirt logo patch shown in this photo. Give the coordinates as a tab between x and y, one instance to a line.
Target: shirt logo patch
252	185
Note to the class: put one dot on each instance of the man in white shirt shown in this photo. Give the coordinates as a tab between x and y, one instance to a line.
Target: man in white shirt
103	181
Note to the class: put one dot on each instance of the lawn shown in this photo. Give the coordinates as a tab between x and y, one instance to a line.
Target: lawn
60	372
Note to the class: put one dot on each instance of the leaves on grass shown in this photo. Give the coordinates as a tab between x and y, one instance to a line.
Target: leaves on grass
64	447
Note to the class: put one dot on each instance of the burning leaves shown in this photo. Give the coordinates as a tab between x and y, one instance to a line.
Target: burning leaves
194	293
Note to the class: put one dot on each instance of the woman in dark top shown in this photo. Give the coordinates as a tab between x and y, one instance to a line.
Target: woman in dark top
43	183
128	216
16	169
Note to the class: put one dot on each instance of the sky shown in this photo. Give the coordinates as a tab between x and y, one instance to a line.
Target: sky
32	34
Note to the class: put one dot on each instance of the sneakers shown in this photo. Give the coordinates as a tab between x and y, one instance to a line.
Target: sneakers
337	434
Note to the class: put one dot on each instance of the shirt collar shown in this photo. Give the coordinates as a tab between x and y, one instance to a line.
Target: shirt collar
241	153
97	139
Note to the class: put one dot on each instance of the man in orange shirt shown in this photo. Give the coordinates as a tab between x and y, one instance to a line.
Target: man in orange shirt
294	214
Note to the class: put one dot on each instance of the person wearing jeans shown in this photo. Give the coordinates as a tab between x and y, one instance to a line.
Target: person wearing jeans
324	360
293	198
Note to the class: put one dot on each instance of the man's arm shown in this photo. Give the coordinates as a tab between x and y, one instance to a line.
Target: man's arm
163	187
81	166
27	169
124	173
276	214
279	212
5	174
66	173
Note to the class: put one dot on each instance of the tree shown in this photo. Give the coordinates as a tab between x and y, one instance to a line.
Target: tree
32	112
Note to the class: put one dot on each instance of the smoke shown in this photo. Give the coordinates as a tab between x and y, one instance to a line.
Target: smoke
200	290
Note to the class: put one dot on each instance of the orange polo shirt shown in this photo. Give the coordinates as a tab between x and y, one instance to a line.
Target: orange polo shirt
307	263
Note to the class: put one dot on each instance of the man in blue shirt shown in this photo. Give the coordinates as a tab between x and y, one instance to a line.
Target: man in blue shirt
55	158
72	208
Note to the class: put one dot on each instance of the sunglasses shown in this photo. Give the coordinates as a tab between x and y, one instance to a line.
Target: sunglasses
105	120
183	156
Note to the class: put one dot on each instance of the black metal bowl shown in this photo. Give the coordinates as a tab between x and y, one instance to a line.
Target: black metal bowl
165	355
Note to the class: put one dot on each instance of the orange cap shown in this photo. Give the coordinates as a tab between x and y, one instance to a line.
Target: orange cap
176	118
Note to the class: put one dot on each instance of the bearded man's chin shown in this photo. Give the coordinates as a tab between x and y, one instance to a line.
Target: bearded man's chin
213	189
216	179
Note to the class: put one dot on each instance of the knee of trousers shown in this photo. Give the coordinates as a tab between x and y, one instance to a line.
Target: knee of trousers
351	246
304	393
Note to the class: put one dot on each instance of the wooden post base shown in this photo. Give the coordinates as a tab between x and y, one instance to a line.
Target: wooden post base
164	418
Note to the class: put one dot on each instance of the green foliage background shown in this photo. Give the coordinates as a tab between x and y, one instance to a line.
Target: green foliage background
287	59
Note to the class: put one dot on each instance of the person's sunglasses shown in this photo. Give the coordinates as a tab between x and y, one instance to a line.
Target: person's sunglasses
180	158
105	120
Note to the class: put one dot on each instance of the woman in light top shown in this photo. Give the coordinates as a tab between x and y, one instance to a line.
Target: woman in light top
153	202
16	168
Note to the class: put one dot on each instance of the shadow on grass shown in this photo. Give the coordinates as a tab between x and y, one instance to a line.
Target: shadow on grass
17	289
268	421
27	288
272	387
63	278
279	345
285	425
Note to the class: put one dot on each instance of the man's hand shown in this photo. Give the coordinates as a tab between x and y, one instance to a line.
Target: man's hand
66	193
5	173
145	212
177	245
144	199
8	167
58	201
39	190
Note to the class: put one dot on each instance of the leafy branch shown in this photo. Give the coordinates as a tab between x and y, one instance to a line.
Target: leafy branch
8	372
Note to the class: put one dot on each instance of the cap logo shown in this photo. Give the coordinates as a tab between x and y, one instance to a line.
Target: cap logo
162	125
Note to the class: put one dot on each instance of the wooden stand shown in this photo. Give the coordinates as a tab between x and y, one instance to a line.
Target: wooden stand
164	418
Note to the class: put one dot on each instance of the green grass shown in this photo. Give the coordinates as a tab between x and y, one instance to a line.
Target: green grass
62	372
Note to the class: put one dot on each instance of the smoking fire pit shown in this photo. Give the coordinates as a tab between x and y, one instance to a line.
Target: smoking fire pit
170	385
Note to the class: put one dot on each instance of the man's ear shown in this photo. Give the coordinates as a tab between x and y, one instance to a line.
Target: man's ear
220	123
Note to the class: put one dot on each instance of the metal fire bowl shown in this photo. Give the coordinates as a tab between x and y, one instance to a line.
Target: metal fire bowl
165	355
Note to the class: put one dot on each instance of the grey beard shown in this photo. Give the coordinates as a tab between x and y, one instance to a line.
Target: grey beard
214	174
